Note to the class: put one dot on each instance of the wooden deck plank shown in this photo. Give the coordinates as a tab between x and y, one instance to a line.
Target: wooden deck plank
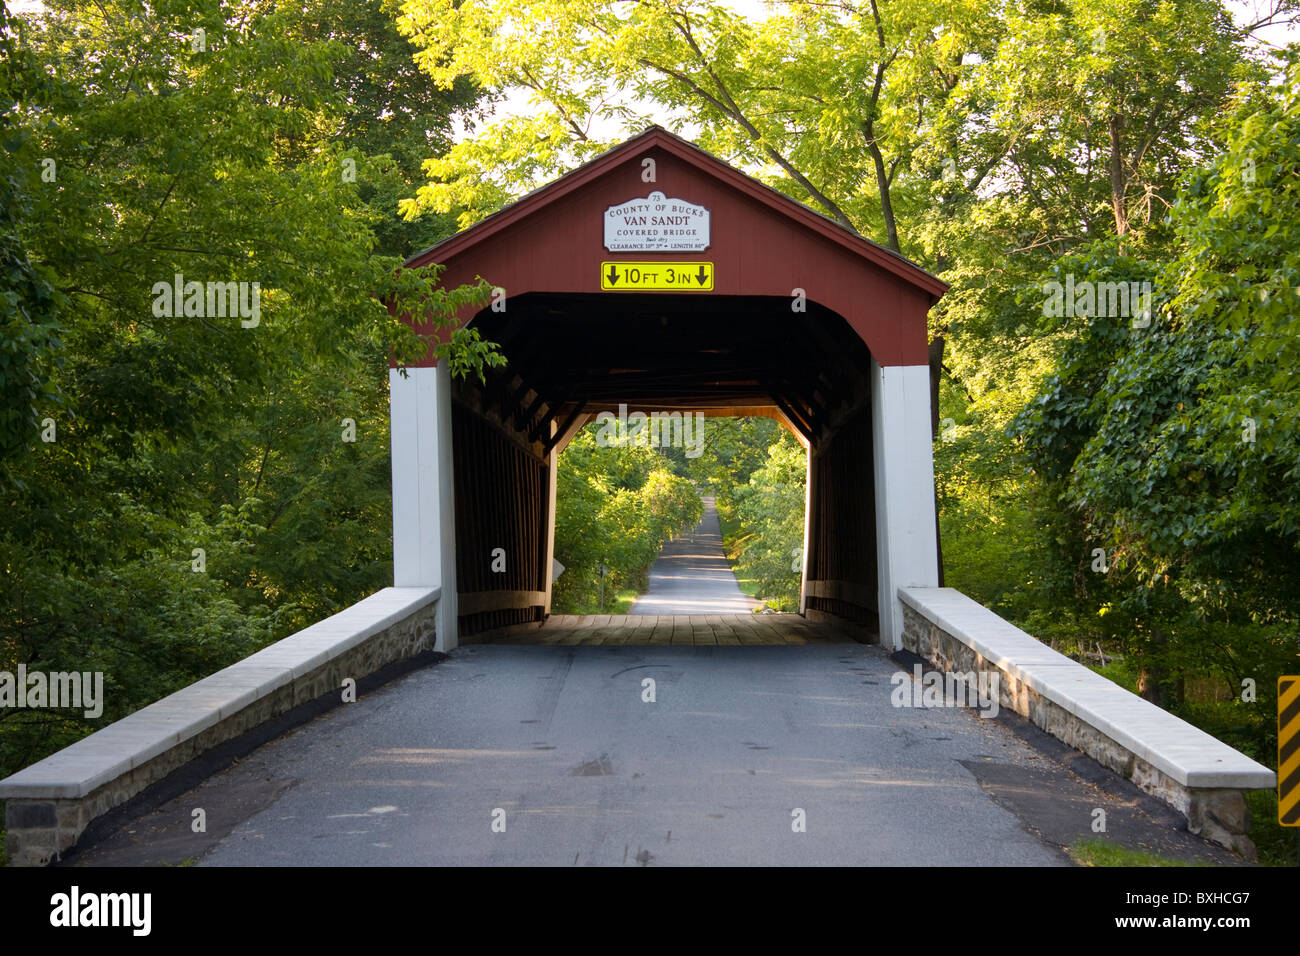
790	634
630	630
747	631
702	630
662	631
724	632
608	632
619	630
750	630
783	632
635	631
682	630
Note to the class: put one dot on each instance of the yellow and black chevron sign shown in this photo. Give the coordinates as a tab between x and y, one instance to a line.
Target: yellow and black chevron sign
1288	751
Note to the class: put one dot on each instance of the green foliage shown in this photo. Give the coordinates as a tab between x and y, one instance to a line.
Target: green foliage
731	451
29	328
396	115
1174	447
770	508
1275	843
819	100
223	156
617	505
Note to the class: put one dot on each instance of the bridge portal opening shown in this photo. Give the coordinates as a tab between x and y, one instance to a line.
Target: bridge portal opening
572	358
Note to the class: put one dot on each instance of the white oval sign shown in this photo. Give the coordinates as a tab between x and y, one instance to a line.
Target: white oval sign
656	224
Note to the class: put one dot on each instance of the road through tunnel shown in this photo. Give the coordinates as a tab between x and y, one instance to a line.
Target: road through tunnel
572	358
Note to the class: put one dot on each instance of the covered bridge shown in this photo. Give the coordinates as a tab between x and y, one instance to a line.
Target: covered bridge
658	278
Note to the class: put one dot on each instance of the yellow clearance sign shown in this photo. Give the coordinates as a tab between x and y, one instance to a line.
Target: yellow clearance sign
656	276
1288	751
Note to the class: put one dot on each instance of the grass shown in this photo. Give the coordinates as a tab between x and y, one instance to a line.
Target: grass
1240	727
1277	845
749	586
624	601
1100	853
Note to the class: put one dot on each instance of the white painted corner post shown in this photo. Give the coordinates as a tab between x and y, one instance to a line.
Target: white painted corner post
552	493
424	516
906	552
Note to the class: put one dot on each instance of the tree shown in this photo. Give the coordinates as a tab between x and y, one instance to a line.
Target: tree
770	506
393	112
1175	444
29	327
215	472
822	100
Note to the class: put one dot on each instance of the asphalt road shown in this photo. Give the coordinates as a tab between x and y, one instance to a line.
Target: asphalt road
507	754
692	575
559	743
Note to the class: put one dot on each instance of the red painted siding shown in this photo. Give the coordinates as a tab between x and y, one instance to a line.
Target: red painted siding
757	247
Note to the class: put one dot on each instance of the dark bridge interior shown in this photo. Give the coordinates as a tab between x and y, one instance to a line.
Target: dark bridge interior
674	351
572	356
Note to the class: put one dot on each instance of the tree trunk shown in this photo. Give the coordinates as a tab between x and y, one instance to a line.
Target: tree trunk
1149	685
935	358
1118	180
882	184
1153	679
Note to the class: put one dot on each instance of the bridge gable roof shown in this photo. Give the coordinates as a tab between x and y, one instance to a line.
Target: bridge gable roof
762	244
702	161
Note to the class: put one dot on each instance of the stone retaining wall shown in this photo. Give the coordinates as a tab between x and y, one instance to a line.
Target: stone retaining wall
1219	814
42	828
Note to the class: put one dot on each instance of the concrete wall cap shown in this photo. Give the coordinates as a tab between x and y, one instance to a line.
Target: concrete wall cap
79	769
1186	753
